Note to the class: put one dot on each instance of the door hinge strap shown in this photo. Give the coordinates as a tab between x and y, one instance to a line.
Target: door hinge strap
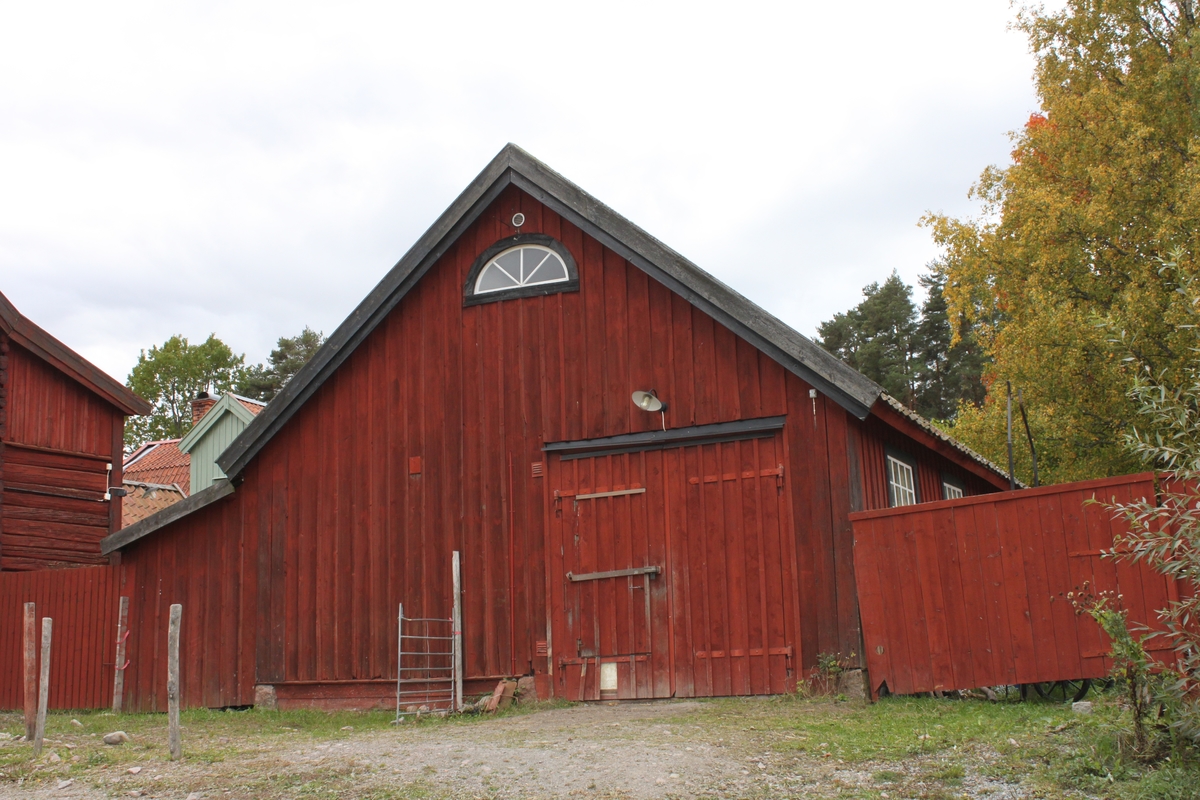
616	573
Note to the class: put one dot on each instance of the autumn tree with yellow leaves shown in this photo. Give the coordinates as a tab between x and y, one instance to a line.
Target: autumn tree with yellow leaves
1068	252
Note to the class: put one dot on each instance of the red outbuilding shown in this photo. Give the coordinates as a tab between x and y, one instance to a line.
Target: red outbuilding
62	429
648	477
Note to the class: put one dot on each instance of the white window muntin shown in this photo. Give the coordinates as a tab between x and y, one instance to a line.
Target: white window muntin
523	265
950	491
902	482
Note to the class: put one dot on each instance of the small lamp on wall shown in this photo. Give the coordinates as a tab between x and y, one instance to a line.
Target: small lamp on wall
648	401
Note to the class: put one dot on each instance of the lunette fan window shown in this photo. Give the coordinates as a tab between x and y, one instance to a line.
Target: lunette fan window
520	266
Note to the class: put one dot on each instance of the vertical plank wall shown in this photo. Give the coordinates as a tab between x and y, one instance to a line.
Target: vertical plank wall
207	563
967	593
83	604
424	440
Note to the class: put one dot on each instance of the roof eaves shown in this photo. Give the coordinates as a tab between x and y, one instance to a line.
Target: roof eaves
38	341
374	307
262	403
127	536
937	432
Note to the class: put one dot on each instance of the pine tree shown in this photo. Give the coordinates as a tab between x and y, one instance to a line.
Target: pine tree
876	336
264	381
915	358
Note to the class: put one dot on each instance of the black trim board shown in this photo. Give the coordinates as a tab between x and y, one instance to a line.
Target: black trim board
672	437
202	498
512	165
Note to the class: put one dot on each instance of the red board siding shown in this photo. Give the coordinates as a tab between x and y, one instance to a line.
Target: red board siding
83	604
205	564
56	444
49	409
878	437
54	509
720	617
972	592
337	528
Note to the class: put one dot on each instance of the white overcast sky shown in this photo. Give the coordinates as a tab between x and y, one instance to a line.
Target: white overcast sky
247	169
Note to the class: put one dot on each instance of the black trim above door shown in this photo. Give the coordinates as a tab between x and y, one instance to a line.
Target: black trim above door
672	437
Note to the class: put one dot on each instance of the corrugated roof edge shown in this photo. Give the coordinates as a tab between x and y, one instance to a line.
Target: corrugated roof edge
850	389
934	430
141	528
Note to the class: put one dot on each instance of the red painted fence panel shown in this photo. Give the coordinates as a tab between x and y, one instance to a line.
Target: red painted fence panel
83	603
973	592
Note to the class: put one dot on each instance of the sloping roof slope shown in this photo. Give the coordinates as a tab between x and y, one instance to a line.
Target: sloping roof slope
161	463
251	405
176	511
513	166
143	499
66	360
938	433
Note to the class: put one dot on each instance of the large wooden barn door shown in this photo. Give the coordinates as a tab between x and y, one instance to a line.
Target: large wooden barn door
672	574
734	584
612	639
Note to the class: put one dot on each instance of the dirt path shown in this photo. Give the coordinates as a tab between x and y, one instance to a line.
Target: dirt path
650	750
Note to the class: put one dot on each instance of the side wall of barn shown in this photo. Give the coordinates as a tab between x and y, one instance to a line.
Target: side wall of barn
208	563
59	440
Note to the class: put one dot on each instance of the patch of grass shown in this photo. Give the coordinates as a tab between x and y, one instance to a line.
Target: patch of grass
952	774
888	776
892	729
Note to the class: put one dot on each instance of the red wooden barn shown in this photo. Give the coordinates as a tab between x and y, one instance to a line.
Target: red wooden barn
62	428
479	400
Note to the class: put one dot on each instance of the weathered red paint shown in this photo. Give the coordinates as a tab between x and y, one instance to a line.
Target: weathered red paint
57	440
973	592
294	580
83	604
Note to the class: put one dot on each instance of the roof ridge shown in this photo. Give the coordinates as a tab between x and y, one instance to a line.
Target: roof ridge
513	166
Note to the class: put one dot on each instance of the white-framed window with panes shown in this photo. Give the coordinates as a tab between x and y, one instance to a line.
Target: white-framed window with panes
525	265
902	481
952	487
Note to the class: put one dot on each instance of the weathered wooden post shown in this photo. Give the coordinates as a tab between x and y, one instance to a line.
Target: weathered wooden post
173	682
44	688
31	690
457	634
119	674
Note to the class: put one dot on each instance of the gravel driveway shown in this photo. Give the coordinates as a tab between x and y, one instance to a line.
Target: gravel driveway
638	750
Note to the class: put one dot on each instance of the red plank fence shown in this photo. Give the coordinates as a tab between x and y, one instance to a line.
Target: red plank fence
83	603
967	593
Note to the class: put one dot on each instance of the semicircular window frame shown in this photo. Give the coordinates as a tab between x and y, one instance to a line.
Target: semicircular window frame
522	241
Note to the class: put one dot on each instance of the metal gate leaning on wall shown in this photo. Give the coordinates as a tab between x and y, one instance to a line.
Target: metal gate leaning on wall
671	571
